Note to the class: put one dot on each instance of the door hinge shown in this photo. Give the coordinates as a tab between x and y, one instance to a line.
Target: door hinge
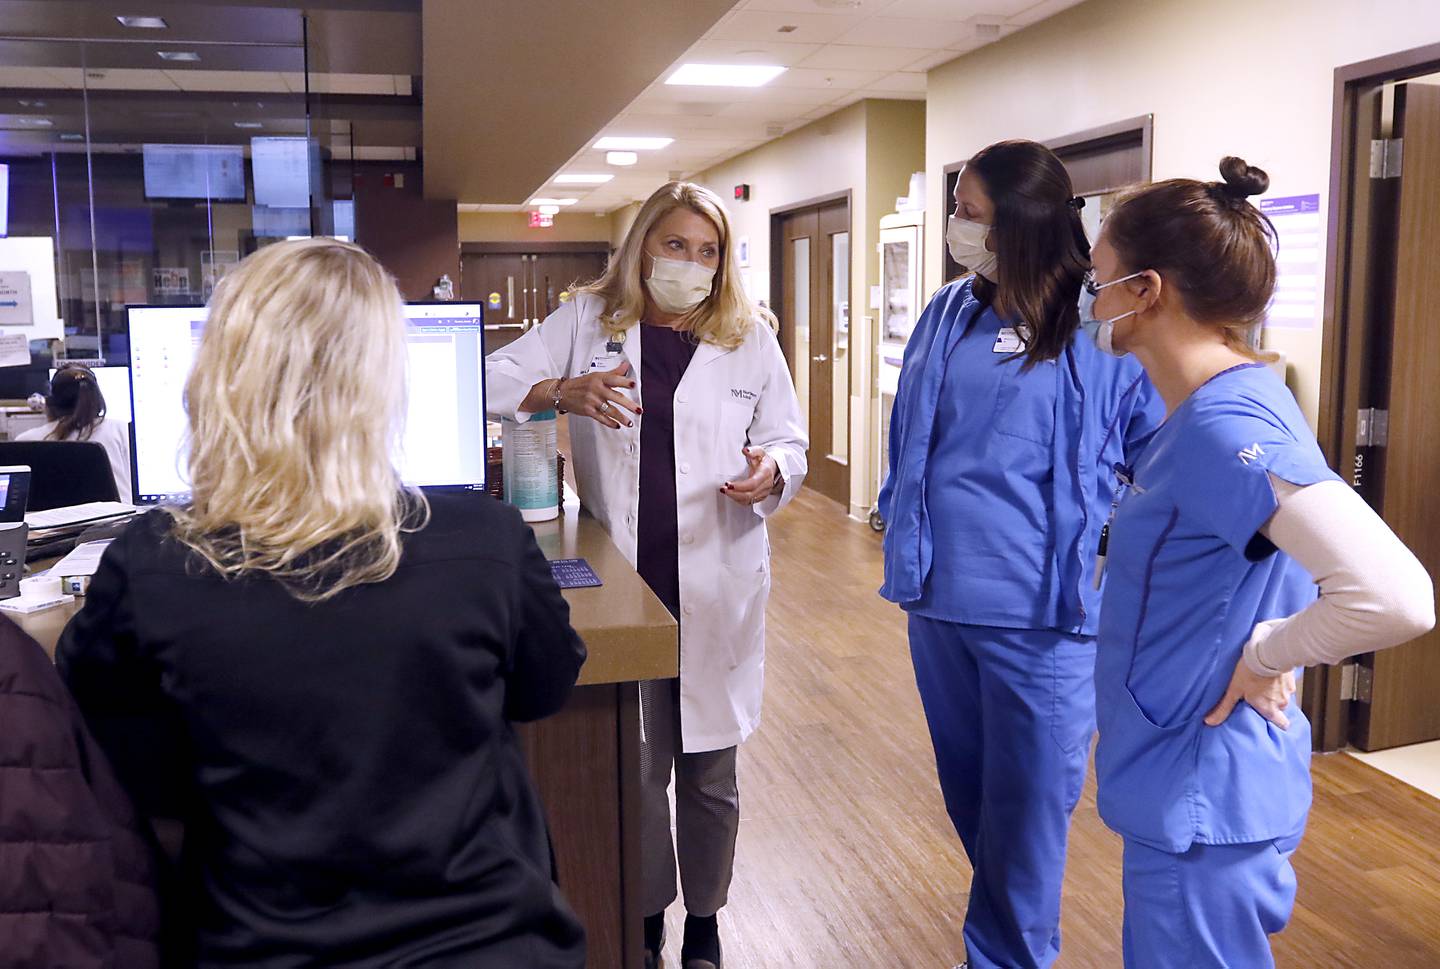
1357	682
1372	427
1385	157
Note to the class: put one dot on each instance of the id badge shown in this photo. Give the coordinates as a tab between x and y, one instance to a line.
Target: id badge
1008	341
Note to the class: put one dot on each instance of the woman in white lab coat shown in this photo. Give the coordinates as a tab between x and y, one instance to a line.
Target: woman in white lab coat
686	435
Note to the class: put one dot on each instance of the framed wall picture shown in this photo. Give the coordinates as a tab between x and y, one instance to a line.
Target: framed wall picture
742	251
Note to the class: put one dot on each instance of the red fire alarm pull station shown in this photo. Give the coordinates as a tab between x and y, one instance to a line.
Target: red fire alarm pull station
742	193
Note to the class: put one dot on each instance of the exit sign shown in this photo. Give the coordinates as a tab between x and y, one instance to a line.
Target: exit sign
539	220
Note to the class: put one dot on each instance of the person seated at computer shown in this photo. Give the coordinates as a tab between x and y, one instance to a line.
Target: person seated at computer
342	655
75	411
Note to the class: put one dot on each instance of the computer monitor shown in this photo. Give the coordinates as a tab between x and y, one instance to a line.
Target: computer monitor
115	388
14	492
444	441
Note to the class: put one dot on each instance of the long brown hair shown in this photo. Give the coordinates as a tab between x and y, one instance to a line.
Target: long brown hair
1040	243
74	403
1206	240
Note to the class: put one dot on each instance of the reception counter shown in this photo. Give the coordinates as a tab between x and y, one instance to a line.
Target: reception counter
585	759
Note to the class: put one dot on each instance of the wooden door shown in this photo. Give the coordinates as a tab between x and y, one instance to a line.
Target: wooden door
556	274
814	302
499	282
1405	681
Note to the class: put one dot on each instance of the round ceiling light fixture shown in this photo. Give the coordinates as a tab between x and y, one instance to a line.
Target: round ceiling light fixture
621	158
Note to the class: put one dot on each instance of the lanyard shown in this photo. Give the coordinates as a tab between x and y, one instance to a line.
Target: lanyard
1126	478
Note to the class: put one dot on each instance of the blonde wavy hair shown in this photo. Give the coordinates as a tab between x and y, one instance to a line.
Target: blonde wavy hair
296	405
724	318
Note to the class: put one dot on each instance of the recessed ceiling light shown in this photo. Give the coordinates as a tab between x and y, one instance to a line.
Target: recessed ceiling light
249	124
621	158
725	75
553	201
626	143
178	55
582	179
36	122
146	23
32	104
72	136
549	209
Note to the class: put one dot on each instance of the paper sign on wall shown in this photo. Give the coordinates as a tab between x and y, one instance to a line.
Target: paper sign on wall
170	280
15	307
1299	261
14	350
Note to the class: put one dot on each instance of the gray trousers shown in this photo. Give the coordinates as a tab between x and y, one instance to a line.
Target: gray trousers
707	810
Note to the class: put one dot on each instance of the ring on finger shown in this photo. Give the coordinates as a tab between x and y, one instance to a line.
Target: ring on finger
604	407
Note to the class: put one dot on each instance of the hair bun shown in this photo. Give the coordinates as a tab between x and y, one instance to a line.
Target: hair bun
1241	179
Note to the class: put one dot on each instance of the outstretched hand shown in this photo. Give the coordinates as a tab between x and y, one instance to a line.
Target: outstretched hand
760	483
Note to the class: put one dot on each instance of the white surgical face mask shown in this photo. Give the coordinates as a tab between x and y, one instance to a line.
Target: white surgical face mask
1101	331
966	242
678	286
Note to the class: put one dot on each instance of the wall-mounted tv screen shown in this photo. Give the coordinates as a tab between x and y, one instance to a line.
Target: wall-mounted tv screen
214	172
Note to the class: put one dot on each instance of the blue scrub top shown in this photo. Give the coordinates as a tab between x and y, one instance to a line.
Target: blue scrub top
1000	478
1189	579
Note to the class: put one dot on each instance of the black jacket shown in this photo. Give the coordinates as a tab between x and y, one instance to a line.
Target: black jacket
77	868
356	796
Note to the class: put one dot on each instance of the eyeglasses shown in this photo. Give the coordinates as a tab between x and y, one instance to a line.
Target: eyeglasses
1093	288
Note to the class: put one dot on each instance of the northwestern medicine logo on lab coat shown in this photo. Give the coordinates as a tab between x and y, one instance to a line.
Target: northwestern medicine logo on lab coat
1251	453
740	393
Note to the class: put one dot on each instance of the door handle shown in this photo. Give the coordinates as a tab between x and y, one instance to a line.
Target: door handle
510	288
820	359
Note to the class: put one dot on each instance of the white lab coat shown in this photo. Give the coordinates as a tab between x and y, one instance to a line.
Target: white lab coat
726	399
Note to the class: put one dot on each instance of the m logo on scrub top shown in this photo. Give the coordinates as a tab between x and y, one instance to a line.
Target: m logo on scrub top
1251	453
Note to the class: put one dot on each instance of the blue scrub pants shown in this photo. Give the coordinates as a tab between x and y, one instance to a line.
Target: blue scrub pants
1011	714
1213	907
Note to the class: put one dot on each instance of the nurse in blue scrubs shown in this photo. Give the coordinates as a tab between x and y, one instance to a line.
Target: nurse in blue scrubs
1224	526
1006	428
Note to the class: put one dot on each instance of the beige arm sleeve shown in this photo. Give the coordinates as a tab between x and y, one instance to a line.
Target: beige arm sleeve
1374	593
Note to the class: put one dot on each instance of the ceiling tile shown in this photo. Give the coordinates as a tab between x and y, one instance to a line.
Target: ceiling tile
837	80
915	34
247	81
129	79
933	60
857	58
1038	12
759	25
956	10
908	82
749	52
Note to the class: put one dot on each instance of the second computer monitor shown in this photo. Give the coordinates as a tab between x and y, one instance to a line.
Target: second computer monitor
444	442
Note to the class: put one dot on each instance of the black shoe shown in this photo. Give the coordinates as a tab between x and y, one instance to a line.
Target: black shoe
702	944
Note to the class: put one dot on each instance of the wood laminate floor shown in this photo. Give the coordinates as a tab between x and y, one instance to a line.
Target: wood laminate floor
847	859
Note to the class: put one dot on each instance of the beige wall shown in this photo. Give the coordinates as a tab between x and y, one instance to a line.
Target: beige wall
868	149
515	227
1240	77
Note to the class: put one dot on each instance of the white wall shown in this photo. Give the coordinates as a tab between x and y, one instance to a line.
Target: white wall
868	149
1253	78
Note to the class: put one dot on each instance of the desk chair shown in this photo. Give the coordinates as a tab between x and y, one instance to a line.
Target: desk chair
63	473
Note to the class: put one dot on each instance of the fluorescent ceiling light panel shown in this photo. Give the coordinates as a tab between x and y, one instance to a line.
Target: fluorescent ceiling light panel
553	201
178	55
582	179
621	158
625	143
549	209
249	124
725	75
144	23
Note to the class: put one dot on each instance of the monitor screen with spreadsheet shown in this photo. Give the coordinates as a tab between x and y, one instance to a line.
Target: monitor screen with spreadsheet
444	441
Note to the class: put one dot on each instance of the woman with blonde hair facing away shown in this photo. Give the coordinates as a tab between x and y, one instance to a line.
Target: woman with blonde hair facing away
339	656
692	437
